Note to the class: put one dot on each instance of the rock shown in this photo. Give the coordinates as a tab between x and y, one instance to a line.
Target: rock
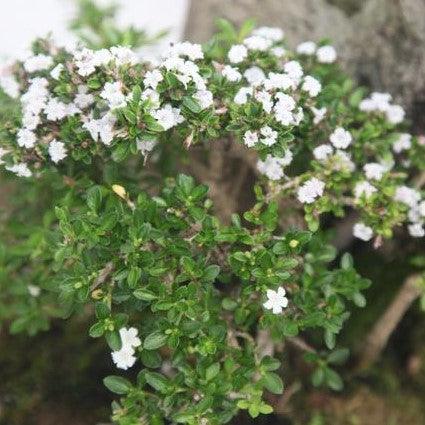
381	43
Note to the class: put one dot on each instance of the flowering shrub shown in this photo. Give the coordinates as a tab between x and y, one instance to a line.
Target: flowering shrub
183	288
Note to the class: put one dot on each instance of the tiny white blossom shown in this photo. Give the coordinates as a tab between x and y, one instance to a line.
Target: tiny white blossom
56	71
241	96
254	75
256	42
310	190
311	86
57	151
294	71
272	166
204	98
34	290
124	55
153	78
124	358
129	337
395	114
322	152
231	74
168	116
250	138
318	114
403	143
306	48
55	110
20	169
10	86
265	98
276	300
416	230
146	146
326	54
82	98
26	138
237	53
269	136
38	63
112	93
374	171
364	189
271	33
278	81
407	196
341	138
363	232
102	57
278	51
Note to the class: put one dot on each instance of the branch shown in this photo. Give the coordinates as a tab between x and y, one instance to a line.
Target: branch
379	335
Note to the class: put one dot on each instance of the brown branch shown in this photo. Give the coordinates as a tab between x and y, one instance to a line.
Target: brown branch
103	275
379	335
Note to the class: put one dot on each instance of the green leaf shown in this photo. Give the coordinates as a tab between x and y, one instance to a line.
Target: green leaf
134	276
102	310
270	363
212	371
113	339
117	384
191	104
144	294
273	383
154	340
211	272
339	356
97	330
157	381
333	380
94	198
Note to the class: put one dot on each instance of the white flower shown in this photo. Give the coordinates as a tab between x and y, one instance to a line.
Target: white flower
113	95
231	74
146	146
241	96
322	152
21	170
311	86
285	102
55	110
124	55
278	51
152	96
55	73
395	114
340	138
374	171
364	188
84	61
256	42
310	190
153	78
129	337
26	138
2	153
319	114
269	136
10	86
192	51
57	151
403	143
306	48
250	138
363	232
416	230
124	358
265	98
38	63
34	291
271	33
407	196
298	115
101	128
102	57
294	71
82	98
376	102
276	300
326	54
278	81
168	116
421	208
254	75
204	98
237	53
272	166
342	161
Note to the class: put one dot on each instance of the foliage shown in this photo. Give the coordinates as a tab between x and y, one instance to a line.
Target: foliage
170	282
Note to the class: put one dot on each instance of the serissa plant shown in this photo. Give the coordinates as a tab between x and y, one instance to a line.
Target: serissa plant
182	286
